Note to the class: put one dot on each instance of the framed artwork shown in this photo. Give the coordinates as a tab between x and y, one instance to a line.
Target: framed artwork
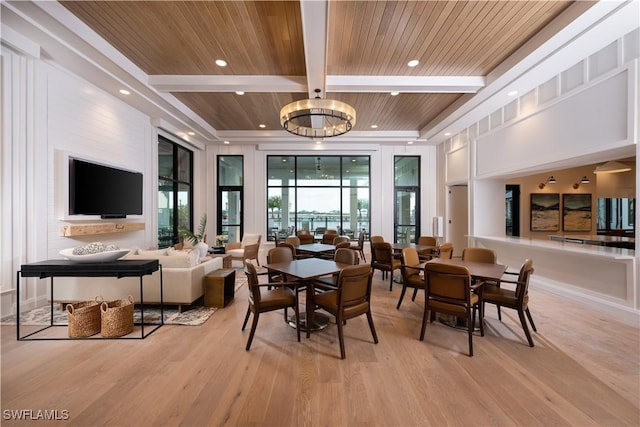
576	212
545	211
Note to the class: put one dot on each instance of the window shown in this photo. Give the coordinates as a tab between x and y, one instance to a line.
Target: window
317	193
407	196
229	197
616	215
175	191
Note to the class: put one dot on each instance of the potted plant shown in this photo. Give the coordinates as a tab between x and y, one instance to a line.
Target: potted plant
197	239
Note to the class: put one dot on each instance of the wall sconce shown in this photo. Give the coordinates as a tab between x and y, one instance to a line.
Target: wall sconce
550	180
584	180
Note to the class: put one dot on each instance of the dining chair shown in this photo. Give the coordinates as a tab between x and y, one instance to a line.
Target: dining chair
479	255
340	239
294	250
516	299
426	254
350	298
304	237
276	255
360	245
411	277
328	236
342	256
445	251
276	238
449	291
382	259
245	250
376	239
283	296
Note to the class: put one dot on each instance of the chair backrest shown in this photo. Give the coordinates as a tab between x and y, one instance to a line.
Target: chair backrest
290	247
340	239
410	257
346	256
361	237
445	250
252	281
354	284
328	236
276	237
522	288
293	240
376	239
279	254
381	253
250	239
346	244
427	241
305	238
448	282
480	255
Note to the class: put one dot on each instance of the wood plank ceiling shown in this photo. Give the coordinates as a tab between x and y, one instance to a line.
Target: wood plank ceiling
263	41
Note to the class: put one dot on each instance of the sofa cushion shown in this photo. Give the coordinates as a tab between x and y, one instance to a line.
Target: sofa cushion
177	260
151	253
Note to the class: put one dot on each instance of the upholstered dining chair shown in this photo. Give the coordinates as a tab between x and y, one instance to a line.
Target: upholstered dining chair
449	291
382	259
445	251
245	250
279	254
350	298
294	249
282	296
411	277
376	239
480	255
328	236
305	237
360	245
516	299
340	239
426	254
342	256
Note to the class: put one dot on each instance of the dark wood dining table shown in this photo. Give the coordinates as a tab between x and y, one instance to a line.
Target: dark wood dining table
306	270
316	249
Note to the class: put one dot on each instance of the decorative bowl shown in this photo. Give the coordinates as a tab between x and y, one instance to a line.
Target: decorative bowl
105	256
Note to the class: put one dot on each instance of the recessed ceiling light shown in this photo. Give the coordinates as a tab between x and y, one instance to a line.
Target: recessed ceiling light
239	92
413	63
226	142
410	142
125	92
447	134
395	93
319	141
284	159
353	160
262	126
221	63
512	93
191	133
374	126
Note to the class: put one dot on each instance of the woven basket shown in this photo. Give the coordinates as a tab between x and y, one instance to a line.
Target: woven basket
117	318
84	318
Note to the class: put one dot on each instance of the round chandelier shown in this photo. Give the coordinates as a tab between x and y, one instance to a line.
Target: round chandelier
317	117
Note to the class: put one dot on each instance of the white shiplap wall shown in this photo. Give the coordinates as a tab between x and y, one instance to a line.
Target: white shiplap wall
88	123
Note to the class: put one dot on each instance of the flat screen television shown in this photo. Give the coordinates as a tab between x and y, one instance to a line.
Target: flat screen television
107	191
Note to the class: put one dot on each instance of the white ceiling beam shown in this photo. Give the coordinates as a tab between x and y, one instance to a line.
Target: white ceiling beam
406	84
211	83
314	35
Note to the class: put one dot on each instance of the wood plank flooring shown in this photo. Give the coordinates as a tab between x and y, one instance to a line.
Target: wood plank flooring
583	371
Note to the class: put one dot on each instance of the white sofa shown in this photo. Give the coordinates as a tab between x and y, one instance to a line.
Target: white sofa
182	274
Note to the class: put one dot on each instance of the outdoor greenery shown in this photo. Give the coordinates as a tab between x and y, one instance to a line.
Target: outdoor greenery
196	237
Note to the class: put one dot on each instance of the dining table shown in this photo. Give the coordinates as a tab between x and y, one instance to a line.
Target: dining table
306	270
316	249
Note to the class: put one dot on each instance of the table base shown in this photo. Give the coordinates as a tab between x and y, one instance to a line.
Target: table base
457	322
320	321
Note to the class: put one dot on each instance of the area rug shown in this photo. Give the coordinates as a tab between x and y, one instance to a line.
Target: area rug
192	316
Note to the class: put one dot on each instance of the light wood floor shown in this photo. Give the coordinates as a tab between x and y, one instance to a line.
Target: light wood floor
583	371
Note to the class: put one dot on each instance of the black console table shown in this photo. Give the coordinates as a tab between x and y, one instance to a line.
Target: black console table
66	268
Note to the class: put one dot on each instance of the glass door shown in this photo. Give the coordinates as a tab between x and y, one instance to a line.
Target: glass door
230	214
406	215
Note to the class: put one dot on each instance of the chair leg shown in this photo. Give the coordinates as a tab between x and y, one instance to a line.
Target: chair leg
499	314
364	259
297	311
523	321
481	318
404	289
390	280
253	330
373	329
533	325
415	294
246	318
341	338
471	325
424	321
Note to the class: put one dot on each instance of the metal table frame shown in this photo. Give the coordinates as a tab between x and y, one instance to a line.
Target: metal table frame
66	268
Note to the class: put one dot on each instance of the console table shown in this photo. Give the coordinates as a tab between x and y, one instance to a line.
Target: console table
66	268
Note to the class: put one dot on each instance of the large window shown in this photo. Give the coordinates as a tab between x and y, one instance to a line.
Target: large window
616	215
175	191
230	192
407	196
318	193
